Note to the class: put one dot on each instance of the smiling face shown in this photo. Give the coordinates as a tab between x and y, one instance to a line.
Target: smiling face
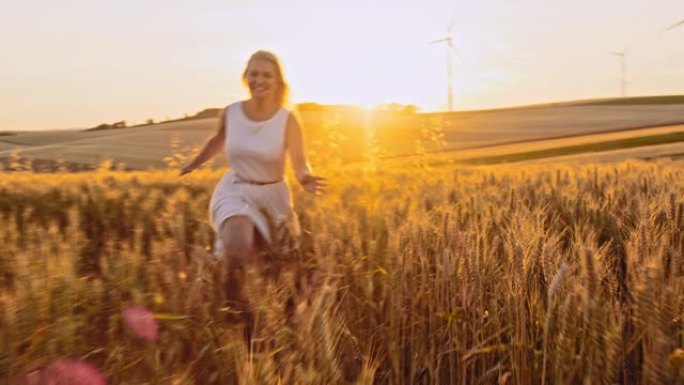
262	79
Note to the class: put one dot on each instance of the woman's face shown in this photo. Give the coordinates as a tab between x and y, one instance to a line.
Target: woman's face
262	79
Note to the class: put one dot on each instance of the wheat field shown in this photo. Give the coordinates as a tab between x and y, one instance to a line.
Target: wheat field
536	274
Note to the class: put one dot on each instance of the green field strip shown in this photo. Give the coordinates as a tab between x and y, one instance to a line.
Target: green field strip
619	144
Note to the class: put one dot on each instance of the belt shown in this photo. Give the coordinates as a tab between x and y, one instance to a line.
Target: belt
255	182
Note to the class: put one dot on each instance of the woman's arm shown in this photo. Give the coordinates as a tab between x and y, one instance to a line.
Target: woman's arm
295	146
211	148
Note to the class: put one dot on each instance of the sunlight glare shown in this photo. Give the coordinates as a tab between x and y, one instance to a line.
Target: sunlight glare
376	56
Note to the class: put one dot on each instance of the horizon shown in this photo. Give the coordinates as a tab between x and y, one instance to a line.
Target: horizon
544	104
74	66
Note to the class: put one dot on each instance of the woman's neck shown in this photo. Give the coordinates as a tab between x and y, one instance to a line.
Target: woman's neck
260	105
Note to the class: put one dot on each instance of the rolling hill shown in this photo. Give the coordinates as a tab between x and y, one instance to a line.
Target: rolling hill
347	132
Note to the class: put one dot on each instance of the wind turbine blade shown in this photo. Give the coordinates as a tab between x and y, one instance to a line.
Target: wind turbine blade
673	26
438	41
450	26
616	53
451	46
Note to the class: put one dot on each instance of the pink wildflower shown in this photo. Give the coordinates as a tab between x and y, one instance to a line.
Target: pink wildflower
64	372
141	322
73	372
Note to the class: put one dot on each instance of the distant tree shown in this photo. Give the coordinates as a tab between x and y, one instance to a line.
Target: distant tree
103	126
397	107
149	122
309	107
411	109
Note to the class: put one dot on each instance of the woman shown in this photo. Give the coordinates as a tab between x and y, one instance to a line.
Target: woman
253	196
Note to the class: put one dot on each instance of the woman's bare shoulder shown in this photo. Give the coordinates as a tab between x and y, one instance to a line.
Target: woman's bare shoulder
293	116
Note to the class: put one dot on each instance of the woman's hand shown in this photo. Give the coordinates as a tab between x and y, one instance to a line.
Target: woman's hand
186	169
313	184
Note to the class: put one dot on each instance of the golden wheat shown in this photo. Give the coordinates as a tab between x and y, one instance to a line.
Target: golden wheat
556	274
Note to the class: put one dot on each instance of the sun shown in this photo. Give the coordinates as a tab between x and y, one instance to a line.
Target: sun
379	56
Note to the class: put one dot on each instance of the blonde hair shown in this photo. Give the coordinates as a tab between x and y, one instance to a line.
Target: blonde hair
283	91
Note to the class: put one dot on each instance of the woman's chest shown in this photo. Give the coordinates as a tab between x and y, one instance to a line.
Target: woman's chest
264	142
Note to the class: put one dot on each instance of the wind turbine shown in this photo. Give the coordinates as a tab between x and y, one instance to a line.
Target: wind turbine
673	26
623	70
623	58
450	49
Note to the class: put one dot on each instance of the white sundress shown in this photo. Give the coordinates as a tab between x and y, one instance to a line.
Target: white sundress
256	153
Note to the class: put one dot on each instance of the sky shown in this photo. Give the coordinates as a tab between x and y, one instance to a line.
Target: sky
80	63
